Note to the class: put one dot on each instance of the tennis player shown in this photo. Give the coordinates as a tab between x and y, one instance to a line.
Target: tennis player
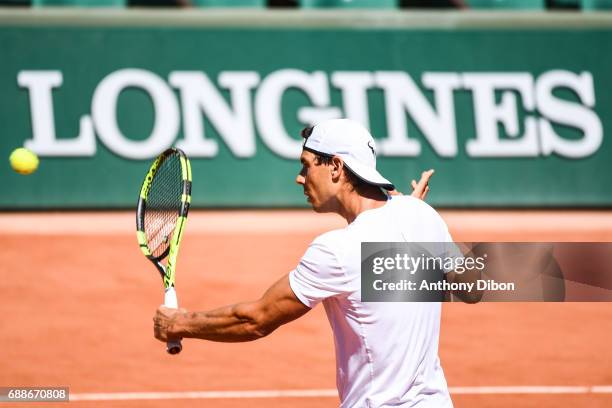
386	352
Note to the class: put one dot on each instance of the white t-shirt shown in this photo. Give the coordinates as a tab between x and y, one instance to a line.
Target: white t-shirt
386	352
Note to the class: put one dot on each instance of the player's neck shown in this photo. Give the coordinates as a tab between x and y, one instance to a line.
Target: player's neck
353	203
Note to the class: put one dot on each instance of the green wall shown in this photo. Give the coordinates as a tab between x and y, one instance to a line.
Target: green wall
531	96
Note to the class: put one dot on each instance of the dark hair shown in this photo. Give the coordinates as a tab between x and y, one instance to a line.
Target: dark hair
325	159
319	157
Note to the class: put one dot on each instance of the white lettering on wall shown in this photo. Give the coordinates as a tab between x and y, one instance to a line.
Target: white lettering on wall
488	114
568	113
40	85
268	107
104	110
499	101
233	124
403	96
353	87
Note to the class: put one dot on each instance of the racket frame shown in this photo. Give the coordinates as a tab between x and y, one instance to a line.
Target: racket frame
167	272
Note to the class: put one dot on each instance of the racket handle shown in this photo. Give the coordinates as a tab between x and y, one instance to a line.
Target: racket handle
170	300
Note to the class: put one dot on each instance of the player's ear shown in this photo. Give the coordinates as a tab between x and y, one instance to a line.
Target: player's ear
336	167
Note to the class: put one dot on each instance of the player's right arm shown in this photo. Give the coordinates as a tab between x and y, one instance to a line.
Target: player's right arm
317	276
240	322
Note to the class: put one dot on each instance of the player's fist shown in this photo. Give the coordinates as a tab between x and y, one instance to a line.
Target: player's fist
164	323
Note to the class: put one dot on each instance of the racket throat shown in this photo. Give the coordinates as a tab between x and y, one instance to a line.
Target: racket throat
162	272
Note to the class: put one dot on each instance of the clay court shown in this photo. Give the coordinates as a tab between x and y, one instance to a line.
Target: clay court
78	298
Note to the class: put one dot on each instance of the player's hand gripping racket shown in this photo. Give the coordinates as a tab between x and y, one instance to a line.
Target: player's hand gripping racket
161	217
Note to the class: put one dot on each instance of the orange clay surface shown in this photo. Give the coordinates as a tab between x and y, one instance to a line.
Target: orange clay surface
77	298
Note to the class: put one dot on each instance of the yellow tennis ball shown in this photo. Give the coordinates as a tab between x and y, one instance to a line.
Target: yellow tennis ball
23	161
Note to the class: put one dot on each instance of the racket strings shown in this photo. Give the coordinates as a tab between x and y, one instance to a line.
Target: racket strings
163	205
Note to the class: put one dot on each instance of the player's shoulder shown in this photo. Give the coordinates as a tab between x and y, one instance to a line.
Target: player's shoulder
328	248
414	212
331	239
411	204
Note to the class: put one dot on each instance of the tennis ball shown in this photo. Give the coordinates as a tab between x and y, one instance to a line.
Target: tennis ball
23	161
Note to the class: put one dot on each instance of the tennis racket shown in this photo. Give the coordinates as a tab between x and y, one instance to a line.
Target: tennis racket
161	216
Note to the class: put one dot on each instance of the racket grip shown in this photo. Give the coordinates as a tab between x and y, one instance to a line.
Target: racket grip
170	300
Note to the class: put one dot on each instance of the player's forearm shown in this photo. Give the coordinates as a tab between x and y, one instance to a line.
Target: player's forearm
235	323
469	276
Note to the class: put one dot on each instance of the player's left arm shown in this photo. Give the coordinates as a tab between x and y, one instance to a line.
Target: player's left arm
235	323
420	188
468	275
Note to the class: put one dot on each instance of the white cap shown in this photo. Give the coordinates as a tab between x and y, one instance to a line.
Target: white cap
351	142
